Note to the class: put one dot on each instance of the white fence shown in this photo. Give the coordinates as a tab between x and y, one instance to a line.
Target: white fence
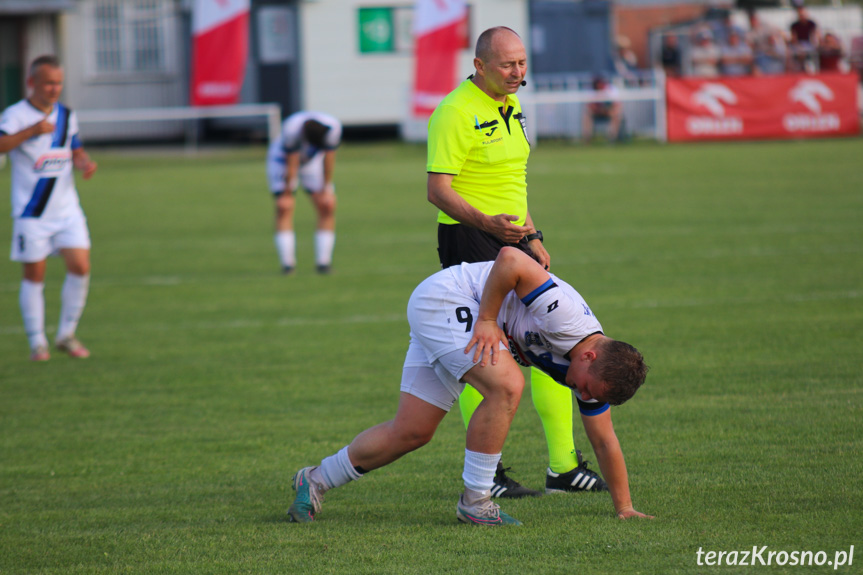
167	122
555	107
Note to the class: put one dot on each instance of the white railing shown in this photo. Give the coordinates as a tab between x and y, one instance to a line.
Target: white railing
557	113
554	106
270	112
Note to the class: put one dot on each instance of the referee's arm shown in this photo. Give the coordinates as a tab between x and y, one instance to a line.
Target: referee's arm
447	200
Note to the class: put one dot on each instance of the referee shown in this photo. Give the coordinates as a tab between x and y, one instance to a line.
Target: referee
477	162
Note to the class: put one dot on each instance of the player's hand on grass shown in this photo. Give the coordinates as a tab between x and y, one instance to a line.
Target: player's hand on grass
487	336
501	227
631	512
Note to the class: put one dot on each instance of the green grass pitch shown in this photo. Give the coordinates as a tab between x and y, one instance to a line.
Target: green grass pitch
737	269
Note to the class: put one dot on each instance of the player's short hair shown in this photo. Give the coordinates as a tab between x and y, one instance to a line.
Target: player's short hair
315	133
622	368
483	43
46	60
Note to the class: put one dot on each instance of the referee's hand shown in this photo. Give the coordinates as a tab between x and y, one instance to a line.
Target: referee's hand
501	227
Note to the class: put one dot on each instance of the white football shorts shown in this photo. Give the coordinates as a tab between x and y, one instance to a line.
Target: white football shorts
441	320
311	175
34	239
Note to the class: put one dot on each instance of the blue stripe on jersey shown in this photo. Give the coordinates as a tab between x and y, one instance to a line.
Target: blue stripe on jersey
39	199
528	299
61	127
76	142
44	187
591	409
557	371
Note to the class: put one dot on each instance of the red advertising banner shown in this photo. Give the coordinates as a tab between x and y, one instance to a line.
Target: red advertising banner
220	47
786	106
439	32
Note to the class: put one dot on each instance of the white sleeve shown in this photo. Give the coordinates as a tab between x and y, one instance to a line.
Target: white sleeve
8	124
334	136
292	131
73	125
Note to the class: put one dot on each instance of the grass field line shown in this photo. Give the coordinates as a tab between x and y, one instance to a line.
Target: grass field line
708	254
605	169
720	253
708	302
395	318
237	324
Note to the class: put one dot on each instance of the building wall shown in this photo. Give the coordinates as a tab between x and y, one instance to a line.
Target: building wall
87	89
635	22
374	88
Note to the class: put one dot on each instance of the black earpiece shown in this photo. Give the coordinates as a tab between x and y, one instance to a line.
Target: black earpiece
524	82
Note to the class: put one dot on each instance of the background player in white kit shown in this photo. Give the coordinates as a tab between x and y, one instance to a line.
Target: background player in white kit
480	308
305	154
41	137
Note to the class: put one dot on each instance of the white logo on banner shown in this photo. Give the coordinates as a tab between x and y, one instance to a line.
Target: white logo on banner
714	97
811	93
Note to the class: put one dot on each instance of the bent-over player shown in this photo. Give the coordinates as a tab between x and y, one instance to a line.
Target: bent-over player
41	137
462	319
305	154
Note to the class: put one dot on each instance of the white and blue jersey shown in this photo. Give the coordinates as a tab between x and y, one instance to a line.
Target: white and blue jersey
542	327
291	140
43	185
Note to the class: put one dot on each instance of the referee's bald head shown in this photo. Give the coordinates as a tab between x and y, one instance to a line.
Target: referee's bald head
484	43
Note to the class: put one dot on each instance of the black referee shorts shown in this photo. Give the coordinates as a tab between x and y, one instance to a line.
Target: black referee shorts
458	243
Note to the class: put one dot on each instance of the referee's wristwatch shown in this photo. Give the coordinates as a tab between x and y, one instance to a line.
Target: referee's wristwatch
534	236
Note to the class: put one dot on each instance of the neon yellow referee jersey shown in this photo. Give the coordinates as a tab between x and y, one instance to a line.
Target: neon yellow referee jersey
483	144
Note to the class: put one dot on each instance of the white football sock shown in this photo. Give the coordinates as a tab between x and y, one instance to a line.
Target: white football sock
286	246
335	471
73	298
32	301
325	241
479	470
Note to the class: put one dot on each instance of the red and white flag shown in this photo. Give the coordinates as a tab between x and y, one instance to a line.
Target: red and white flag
220	47
439	33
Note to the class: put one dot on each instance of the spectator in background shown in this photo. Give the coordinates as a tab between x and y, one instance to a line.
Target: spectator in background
607	109
625	60
724	28
830	53
670	56
704	55
855	56
768	44
805	38
735	56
